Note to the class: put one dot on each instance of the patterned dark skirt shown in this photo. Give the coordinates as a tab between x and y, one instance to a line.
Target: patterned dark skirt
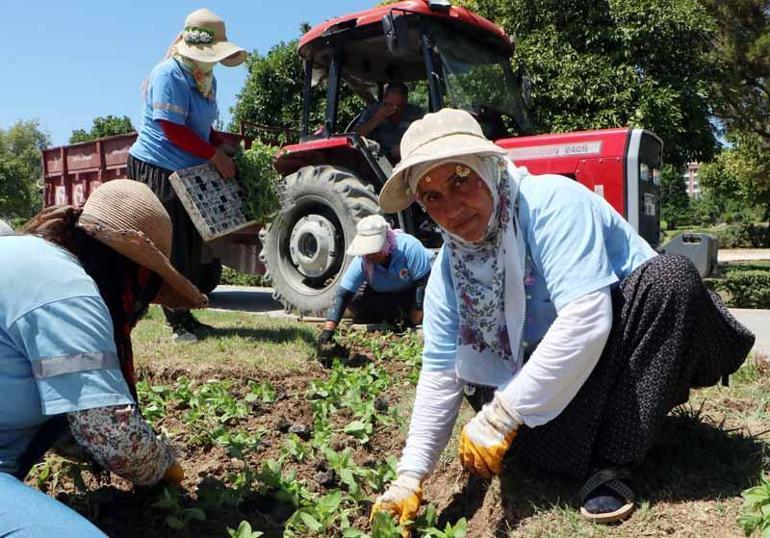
186	242
669	334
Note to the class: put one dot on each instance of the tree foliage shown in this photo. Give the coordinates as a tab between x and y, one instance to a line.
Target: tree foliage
606	63
21	169
103	126
739	177
273	93
741	54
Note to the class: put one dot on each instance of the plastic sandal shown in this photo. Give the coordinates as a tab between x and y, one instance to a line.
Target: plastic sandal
611	479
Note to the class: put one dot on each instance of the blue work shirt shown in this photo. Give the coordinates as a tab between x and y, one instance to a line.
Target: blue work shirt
57	348
576	244
173	96
409	262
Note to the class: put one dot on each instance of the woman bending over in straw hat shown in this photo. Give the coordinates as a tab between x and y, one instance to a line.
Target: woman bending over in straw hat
570	337
180	109
394	269
75	282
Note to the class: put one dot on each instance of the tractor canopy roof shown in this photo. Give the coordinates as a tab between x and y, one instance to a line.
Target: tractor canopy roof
369	59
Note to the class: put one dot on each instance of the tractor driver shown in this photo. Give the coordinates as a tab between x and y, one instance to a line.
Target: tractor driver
387	121
384	283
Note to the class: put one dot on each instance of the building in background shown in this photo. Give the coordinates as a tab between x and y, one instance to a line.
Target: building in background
691	180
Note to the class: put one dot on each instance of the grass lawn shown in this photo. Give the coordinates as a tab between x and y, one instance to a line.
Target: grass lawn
248	394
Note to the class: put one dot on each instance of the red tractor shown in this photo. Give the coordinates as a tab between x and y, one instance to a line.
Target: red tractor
450	57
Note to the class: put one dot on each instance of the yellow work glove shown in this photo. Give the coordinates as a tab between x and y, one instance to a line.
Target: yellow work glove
486	438
174	474
402	499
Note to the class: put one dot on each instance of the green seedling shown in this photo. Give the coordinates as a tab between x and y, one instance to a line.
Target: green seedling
287	488
262	392
296	449
177	516
244	531
755	514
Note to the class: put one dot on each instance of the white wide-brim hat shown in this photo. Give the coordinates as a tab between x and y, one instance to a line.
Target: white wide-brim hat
371	234
204	40
436	137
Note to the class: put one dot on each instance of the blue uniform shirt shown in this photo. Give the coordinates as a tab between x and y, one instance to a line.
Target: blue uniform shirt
409	262
57	352
173	96
576	244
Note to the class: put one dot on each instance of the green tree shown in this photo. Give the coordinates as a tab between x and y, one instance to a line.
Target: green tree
21	169
739	177
273	92
673	193
103	126
605	63
741	53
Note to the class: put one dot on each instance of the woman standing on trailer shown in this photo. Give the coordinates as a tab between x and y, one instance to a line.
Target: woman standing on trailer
180	109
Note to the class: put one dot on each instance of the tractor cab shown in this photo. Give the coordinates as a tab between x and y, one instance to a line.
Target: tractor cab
448	57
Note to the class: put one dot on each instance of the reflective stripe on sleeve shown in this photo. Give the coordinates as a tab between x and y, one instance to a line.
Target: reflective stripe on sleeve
170	107
68	364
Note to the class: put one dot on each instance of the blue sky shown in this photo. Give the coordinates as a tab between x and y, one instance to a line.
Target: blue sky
68	62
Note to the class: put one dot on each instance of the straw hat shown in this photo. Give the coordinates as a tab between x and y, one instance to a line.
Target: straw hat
371	233
204	40
438	136
126	216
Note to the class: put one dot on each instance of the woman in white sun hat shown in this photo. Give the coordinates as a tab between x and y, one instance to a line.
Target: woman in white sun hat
570	337
393	266
75	282
180	108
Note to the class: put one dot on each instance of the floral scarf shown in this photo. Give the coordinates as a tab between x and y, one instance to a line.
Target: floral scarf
202	73
488	281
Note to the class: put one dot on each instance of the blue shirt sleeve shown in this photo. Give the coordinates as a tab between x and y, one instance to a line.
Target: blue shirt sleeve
440	319
71	349
354	276
565	234
170	94
418	258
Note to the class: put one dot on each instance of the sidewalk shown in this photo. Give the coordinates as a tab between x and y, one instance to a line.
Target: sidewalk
743	254
758	321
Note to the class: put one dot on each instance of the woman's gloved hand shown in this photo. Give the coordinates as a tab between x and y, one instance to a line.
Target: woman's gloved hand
325	338
402	499
487	437
174	474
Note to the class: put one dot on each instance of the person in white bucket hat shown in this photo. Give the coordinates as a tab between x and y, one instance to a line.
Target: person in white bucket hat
569	336
180	109
75	283
393	269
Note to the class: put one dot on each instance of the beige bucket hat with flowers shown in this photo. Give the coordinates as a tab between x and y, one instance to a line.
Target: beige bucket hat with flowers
126	216
204	39
438	136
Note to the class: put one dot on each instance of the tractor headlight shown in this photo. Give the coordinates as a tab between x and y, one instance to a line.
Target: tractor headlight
644	172
656	176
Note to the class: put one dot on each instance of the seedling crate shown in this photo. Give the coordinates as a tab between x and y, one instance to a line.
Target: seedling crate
214	204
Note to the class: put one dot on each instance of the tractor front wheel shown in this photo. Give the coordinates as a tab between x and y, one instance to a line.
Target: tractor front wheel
304	247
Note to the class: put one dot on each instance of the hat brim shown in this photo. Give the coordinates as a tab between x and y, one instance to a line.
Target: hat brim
177	291
227	53
394	196
366	244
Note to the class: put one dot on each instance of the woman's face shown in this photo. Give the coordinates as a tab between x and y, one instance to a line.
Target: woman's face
460	205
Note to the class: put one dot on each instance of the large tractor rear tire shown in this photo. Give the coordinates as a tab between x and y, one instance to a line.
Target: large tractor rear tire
304	247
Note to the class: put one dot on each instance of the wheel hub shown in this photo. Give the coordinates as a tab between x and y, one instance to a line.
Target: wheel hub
311	245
